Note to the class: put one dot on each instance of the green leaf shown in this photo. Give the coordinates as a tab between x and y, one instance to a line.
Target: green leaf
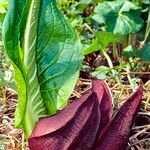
11	32
101	72
3	6
95	46
119	17
30	107
101	42
85	1
145	53
130	51
105	38
58	57
11	42
34	106
46	54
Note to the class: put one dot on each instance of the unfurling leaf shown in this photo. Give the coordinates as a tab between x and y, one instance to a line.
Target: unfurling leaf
76	126
116	135
106	106
46	55
86	123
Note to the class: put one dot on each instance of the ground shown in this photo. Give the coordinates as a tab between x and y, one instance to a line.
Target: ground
14	139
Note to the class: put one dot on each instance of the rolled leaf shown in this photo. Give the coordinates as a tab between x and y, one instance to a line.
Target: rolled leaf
75	127
105	102
11	36
46	56
106	109
79	124
116	135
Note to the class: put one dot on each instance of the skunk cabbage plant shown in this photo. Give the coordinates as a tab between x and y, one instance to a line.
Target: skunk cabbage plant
46	56
87	123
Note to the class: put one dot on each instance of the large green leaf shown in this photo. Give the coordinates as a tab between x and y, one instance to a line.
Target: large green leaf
119	17
34	106
26	114
11	42
58	57
46	55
